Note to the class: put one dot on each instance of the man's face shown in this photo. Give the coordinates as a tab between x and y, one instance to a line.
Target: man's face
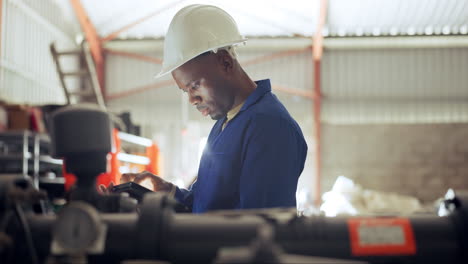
204	81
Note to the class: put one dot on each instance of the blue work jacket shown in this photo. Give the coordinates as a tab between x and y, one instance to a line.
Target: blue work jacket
255	162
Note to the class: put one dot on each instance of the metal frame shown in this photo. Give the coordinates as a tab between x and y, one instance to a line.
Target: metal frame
29	140
275	55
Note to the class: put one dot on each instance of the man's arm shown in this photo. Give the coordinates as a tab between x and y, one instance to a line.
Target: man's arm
183	196
273	158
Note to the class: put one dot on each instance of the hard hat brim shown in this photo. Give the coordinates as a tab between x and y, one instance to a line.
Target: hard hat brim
164	71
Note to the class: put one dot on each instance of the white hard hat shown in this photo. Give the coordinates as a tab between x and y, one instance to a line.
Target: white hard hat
194	30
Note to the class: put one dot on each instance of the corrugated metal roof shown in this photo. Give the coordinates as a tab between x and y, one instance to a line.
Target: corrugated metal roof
397	17
293	17
261	17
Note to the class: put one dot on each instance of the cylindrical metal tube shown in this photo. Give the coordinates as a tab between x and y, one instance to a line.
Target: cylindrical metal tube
187	238
435	240
197	238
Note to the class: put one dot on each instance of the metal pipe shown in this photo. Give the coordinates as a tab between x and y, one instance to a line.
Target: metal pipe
317	109
317	51
292	91
140	89
275	55
133	56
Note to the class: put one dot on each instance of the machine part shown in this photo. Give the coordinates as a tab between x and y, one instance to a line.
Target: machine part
80	130
264	250
160	234
189	35
381	236
27	233
6	245
16	192
14	189
78	230
261	250
81	135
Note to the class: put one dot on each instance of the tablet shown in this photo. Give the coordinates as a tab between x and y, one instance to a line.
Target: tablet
135	190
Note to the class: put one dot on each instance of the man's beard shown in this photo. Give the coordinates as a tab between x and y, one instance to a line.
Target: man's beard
217	116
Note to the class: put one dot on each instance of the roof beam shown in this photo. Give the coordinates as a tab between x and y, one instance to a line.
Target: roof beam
318	36
1	25
132	55
140	89
92	38
275	55
292	91
116	33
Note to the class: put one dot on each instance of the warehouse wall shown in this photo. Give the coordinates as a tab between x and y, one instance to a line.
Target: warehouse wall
27	72
399	85
422	160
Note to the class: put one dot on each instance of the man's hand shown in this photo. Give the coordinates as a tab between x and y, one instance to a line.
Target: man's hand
106	190
145	179
148	180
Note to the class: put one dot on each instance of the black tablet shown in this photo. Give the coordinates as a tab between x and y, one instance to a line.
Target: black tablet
135	190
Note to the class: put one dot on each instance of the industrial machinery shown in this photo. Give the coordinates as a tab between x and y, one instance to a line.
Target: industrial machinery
94	228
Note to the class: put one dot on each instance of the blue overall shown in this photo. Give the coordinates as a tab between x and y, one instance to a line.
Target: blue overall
255	162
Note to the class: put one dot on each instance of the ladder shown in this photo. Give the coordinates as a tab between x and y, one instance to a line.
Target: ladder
91	93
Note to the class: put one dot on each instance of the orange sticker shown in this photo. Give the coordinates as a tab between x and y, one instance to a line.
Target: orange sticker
381	236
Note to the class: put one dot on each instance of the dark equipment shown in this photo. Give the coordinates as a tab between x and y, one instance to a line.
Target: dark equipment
85	230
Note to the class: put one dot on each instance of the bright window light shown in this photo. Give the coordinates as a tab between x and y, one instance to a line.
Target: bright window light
428	30
376	31
201	147
446	30
342	32
464	29
359	32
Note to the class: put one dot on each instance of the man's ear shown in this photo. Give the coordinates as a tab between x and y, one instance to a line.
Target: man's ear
225	61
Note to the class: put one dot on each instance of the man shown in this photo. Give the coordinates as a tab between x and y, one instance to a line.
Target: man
255	152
